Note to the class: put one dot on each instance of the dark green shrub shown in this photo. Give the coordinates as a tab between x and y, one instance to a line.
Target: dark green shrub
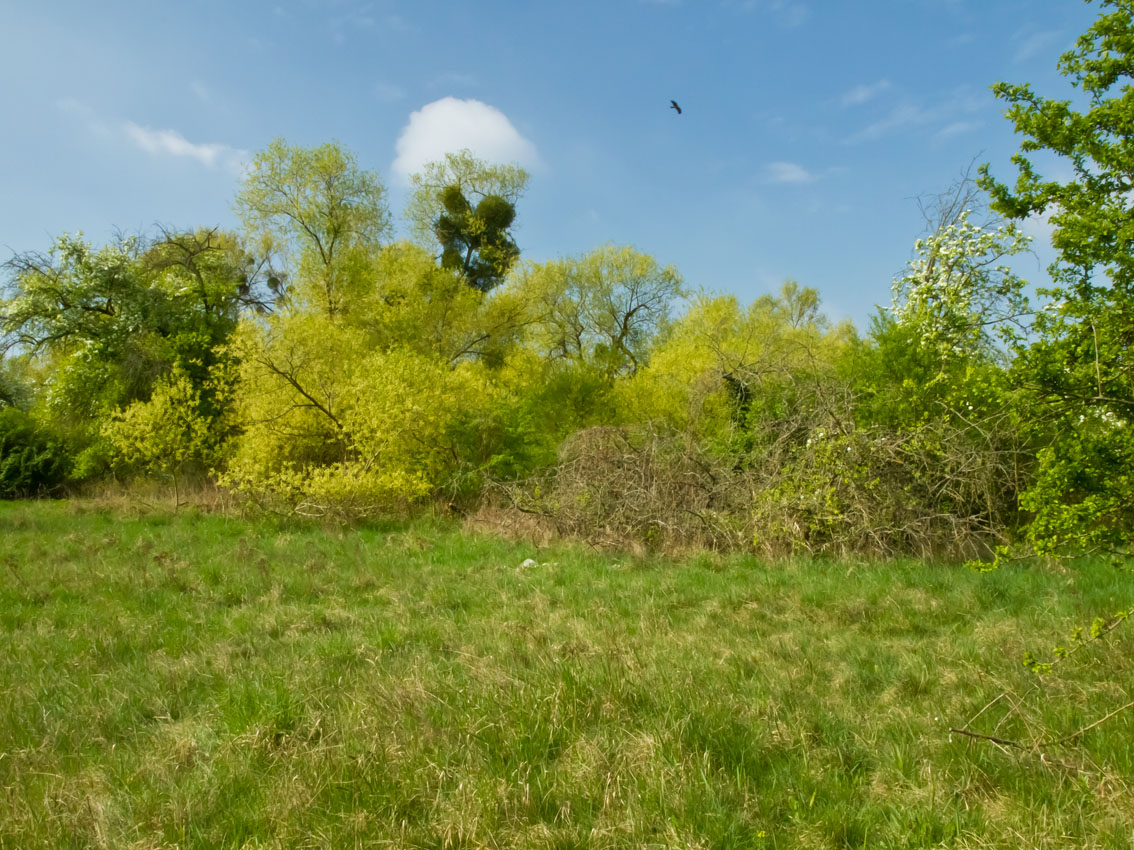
33	462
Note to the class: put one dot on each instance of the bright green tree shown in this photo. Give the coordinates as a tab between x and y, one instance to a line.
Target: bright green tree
602	310
164	435
418	305
106	324
327	215
1079	367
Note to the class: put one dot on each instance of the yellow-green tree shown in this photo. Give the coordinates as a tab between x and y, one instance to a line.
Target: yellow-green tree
415	303
722	366
377	407
164	434
602	310
325	213
331	428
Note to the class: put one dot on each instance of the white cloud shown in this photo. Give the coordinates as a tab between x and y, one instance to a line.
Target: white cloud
788	172
863	93
956	129
172	143
1033	45
388	92
351	21
449	125
353	18
955	113
899	117
790	13
156	142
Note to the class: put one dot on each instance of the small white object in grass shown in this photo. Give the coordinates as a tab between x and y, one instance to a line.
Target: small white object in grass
528	564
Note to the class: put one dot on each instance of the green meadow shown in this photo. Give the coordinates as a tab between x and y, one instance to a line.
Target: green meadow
195	681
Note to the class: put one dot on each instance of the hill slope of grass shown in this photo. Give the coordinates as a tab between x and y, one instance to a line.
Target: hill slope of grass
191	681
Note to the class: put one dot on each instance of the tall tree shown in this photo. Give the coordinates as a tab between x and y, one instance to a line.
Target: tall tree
326	213
1080	365
468	207
603	309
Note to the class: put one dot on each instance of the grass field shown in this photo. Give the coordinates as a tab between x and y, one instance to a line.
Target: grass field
197	681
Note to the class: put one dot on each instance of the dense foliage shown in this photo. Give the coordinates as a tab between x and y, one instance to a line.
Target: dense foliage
313	363
33	462
1078	371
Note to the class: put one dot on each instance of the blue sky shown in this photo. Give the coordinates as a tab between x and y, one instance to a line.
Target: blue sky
809	128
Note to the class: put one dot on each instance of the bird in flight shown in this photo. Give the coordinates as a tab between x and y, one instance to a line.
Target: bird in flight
673	105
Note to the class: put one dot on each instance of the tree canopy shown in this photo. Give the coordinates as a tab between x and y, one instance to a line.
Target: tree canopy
1079	367
474	178
322	210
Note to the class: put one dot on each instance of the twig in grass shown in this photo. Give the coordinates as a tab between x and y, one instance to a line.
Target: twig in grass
12	565
1099	630
1051	742
1075	735
1043	757
1004	742
1037	748
989	705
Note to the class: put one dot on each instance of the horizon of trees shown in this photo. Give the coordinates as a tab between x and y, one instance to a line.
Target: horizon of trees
313	364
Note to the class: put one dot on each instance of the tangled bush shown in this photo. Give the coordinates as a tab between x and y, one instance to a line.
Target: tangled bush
931	492
635	485
813	484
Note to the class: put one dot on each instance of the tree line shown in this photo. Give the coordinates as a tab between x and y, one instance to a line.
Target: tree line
313	364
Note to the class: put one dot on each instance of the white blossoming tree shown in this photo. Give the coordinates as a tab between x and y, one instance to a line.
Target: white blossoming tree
958	293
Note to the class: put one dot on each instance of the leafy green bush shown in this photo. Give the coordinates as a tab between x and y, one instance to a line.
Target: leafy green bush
33	462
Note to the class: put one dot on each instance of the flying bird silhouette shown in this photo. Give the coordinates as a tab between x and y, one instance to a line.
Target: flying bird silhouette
673	105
